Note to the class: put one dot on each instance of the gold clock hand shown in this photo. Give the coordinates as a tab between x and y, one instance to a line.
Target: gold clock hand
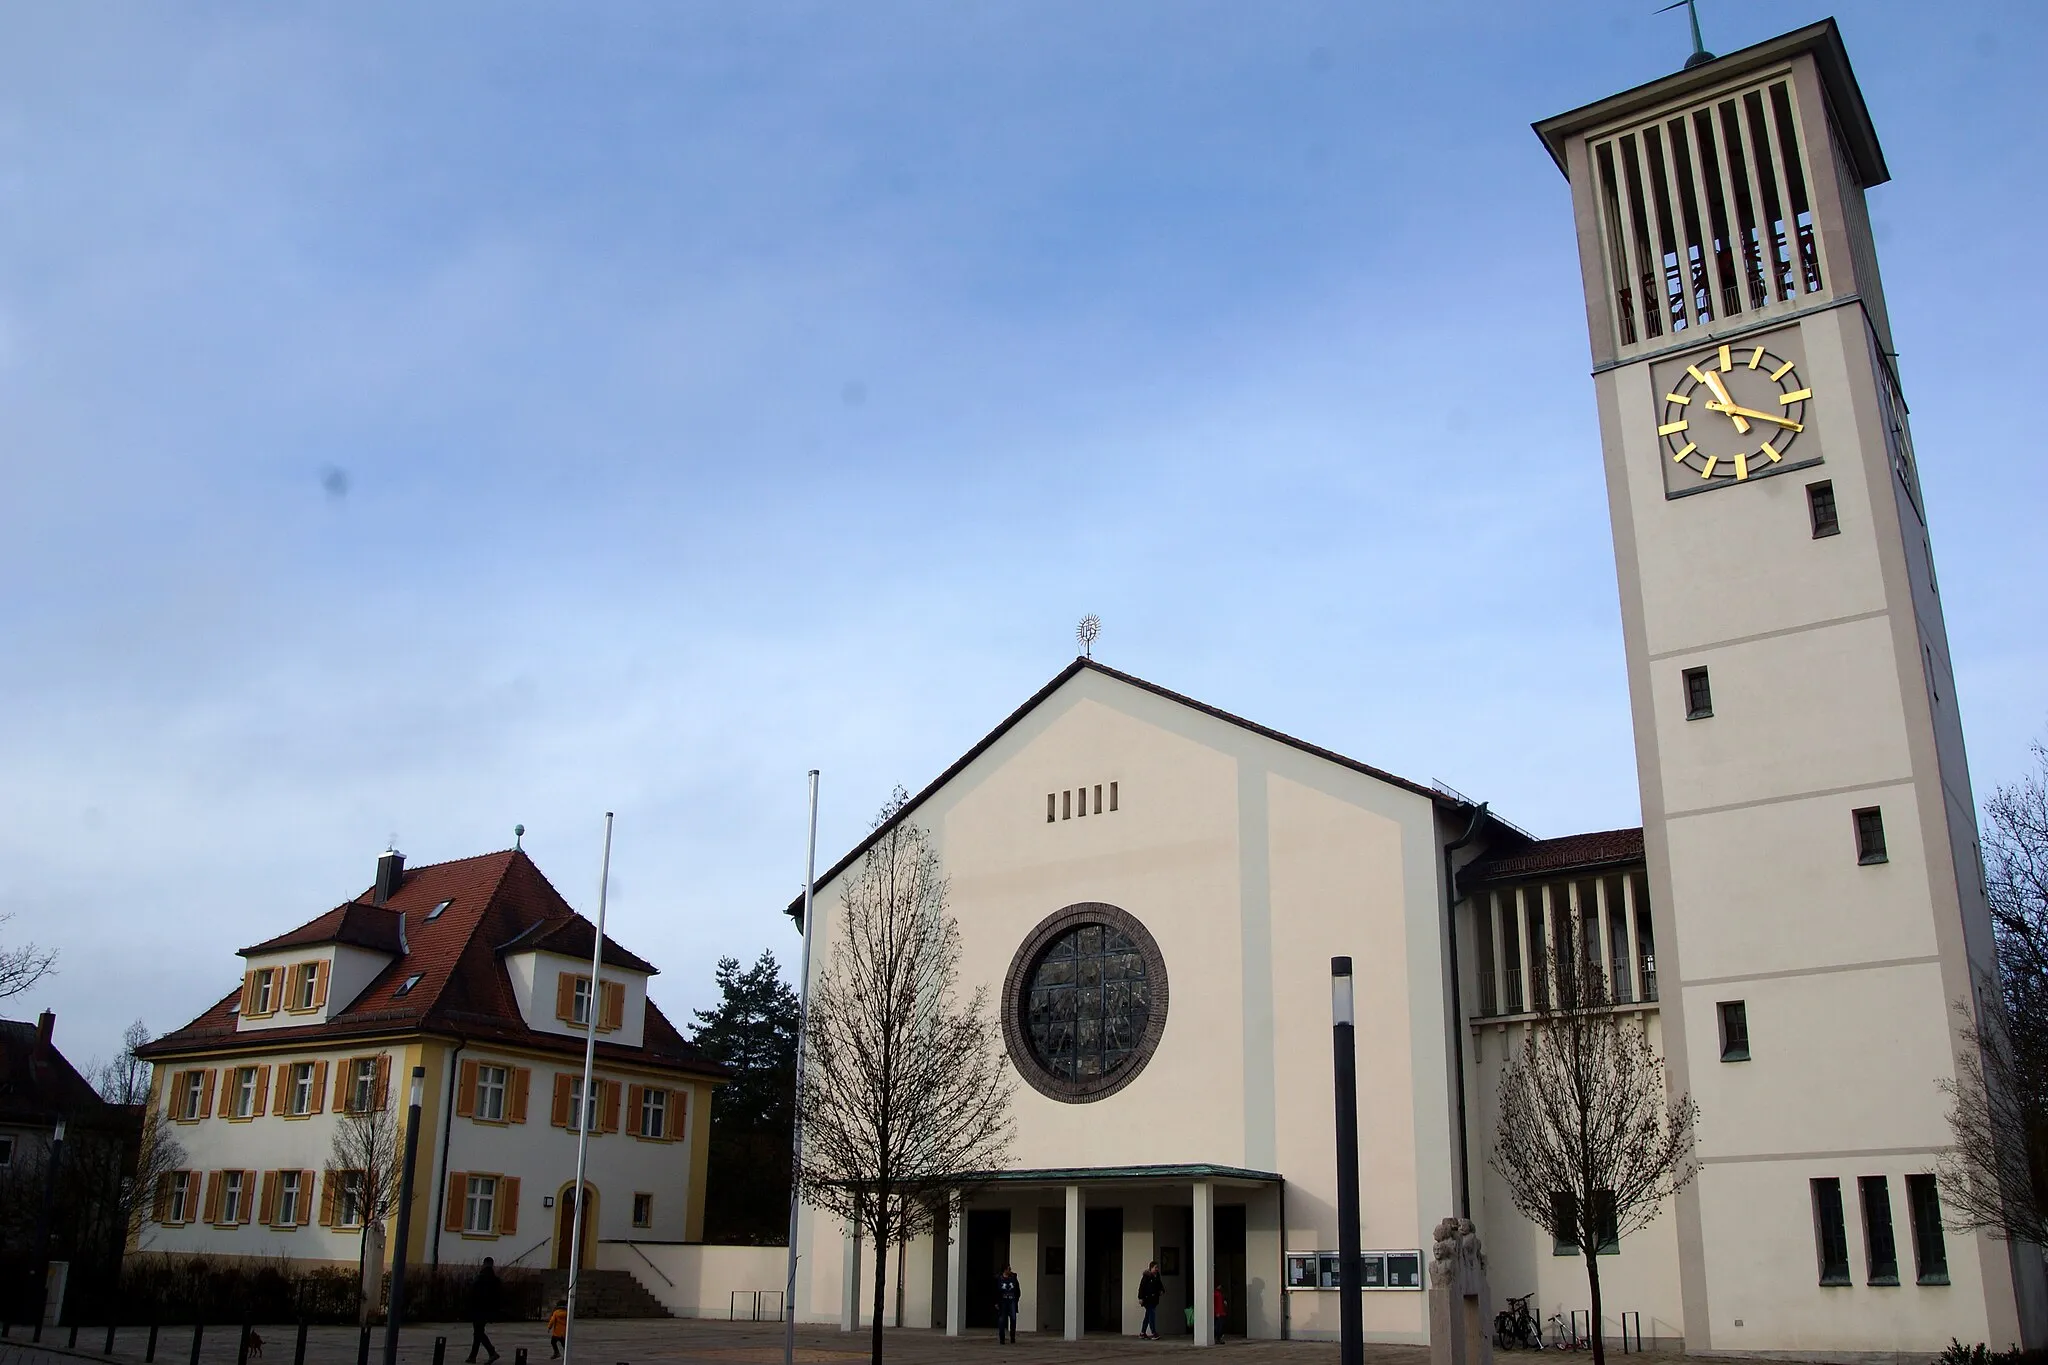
1734	411
1726	404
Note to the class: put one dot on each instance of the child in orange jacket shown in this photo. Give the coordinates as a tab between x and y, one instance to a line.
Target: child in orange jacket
558	1327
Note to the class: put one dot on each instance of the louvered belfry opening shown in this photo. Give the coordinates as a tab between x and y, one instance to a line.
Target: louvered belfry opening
1705	213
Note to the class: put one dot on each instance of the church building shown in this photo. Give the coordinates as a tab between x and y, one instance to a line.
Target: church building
1152	889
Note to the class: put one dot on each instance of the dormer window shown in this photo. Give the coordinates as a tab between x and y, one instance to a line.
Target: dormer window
579	1002
573	1003
308	986
435	913
263	991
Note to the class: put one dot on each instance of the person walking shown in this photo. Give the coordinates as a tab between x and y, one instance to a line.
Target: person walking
1150	1290
1008	1291
1221	1307
483	1306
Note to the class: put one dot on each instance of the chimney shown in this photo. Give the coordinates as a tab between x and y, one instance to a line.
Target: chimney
390	875
46	1024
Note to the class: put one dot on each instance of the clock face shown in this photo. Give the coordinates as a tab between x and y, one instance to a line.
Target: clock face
1732	413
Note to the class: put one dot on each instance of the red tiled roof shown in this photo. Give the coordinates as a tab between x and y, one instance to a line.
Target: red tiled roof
1571	853
38	1084
352	922
571	938
462	988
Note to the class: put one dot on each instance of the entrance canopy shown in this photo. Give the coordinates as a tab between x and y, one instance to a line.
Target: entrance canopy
1186	1174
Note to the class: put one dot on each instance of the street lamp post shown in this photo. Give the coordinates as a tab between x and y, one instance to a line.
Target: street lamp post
1344	1042
395	1312
43	1221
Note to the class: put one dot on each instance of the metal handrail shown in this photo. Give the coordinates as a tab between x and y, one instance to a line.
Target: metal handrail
529	1251
650	1264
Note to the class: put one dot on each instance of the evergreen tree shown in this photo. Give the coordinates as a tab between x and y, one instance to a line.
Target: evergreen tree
752	1032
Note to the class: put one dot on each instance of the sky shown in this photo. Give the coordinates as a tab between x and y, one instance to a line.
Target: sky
421	420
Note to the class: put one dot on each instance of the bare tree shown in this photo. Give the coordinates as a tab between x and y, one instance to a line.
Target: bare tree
1995	1178
132	1175
905	1094
22	967
1589	1141
363	1169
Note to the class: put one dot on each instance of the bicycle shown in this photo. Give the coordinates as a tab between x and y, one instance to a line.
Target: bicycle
1514	1327
1564	1334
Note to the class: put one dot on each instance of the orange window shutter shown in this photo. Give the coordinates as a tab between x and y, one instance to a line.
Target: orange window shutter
174	1092
515	1102
263	1090
327	1199
508	1204
633	1096
213	1188
608	1106
678	1103
341	1075
613	1012
320	971
563	1100
271	1181
565	997
465	1089
249	991
161	1210
458	1187
319	1085
227	1091
248	1183
382	1096
306	1179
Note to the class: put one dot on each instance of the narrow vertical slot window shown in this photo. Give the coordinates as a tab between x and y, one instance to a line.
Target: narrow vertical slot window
1617	942
1870	836
1067	804
1051	807
1098	798
1112	796
1734	1030
1699	695
1820	505
1511	953
1082	804
1930	1251
1881	1252
1830	1235
1482	955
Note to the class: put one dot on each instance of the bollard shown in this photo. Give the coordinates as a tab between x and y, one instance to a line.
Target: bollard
242	1346
519	1356
149	1354
440	1351
198	1333
299	1352
37	1334
363	1347
72	1343
108	1349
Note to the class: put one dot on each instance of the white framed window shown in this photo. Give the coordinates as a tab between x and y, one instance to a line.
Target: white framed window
245	1092
265	994
586	1106
349	1200
192	1101
579	1002
307	980
480	1205
178	1208
490	1093
289	1195
643	1210
362	1084
653	1112
302	1088
231	1196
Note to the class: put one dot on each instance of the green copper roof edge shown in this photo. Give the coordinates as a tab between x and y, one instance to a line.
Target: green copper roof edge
1071	1174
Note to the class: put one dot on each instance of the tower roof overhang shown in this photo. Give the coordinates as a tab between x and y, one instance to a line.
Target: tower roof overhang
1822	41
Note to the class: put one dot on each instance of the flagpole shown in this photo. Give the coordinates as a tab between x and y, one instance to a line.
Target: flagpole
803	1015
585	1105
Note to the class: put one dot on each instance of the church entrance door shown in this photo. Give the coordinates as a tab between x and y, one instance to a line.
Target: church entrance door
1230	1266
1102	1296
988	1251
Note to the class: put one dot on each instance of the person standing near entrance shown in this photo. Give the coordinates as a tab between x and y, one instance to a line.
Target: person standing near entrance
1221	1307
483	1306
1008	1291
1150	1290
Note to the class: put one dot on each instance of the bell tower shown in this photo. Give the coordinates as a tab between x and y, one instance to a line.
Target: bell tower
1809	826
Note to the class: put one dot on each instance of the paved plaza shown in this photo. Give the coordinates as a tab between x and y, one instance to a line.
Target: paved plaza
669	1341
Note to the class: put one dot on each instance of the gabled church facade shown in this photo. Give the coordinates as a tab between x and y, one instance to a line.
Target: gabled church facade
1152	889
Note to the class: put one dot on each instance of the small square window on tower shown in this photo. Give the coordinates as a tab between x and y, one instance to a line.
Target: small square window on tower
1734	1030
1699	695
1870	835
1820	502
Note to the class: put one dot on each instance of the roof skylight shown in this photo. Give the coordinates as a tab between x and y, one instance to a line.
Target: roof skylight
410	982
435	913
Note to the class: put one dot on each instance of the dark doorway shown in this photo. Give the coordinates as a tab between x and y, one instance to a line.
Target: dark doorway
1102	1290
988	1251
565	1227
1230	1266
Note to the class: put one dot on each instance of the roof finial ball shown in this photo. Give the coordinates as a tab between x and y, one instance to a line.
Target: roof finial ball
1085	633
1700	56
518	833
